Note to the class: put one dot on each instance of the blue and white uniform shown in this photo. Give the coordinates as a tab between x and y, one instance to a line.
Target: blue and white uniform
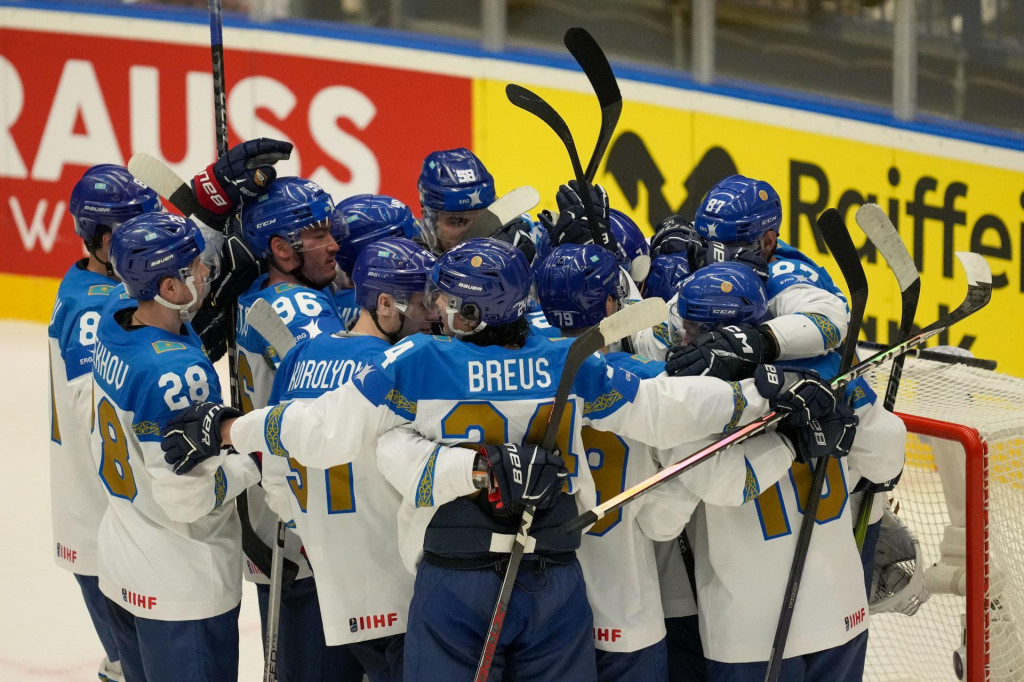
77	497
345	515
308	313
743	553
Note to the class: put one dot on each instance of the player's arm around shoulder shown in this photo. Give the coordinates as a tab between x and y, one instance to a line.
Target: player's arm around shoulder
334	427
807	320
186	379
425	473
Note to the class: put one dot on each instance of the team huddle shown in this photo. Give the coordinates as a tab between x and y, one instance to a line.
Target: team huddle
399	439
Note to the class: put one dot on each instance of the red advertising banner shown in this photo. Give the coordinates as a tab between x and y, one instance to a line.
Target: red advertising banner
87	99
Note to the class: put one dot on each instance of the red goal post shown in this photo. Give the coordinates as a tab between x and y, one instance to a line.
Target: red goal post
962	497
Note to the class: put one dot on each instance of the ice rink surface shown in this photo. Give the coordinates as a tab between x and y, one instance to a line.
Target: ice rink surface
45	631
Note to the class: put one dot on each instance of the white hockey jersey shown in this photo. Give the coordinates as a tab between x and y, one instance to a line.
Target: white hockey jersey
453	392
743	553
346	516
77	498
169	545
308	313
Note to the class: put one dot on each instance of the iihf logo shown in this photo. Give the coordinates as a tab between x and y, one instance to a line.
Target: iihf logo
353	626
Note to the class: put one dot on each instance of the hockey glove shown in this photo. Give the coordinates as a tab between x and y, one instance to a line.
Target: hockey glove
831	434
569	195
518	233
800	395
568	227
245	172
523	474
729	353
212	322
193	435
675	234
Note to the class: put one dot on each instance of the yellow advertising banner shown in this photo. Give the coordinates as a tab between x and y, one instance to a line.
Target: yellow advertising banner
662	159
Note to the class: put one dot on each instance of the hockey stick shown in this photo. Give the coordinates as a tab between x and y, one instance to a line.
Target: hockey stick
262	317
220	109
503	211
590	57
938	356
535	104
630	320
979	292
164	181
220	118
837	238
883	234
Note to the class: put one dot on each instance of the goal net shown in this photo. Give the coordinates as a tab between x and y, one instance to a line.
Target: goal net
962	496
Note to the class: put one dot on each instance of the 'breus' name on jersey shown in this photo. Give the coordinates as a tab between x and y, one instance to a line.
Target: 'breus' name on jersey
107	366
322	375
378	620
510	374
135	599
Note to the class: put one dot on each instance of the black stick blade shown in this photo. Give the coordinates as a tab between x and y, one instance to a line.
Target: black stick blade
590	57
837	236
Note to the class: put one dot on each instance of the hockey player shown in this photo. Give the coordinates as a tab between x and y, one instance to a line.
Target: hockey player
363	588
289	229
489	382
358	221
168	544
739	219
578	286
454	186
105	196
743	553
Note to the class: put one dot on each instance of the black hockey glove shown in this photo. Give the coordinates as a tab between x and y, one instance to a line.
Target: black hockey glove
676	234
519	234
569	228
193	435
569	195
831	434
245	172
523	474
728	353
800	395
212	322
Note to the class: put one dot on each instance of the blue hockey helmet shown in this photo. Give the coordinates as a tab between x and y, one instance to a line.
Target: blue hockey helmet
667	271
289	206
367	218
485	280
574	283
633	249
394	265
722	293
152	246
739	210
453	181
106	196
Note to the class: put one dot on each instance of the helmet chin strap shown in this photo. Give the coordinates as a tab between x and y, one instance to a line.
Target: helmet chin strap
298	274
93	248
182	308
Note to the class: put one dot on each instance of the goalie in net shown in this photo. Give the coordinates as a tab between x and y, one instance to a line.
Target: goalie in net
959	499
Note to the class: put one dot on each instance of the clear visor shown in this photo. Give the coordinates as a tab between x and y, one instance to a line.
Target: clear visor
447	307
312	237
682	331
